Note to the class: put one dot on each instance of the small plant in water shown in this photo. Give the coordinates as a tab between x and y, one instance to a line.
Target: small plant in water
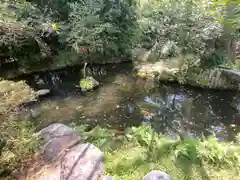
86	84
141	74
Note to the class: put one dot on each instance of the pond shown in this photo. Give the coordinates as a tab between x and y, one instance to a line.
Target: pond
124	100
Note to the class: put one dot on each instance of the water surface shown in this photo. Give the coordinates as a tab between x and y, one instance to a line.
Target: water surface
124	100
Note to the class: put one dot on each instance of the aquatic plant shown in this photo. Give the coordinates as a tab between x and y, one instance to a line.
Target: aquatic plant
141	74
88	83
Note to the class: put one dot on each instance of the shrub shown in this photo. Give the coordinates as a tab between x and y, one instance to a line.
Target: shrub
188	23
17	43
13	94
17	144
104	29
27	36
207	150
139	150
95	30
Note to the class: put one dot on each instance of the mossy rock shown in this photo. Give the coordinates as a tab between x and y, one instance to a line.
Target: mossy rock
13	94
142	74
88	83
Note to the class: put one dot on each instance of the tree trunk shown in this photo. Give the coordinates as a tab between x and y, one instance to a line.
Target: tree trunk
230	43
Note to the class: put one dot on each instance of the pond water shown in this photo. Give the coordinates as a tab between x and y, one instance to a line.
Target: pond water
124	100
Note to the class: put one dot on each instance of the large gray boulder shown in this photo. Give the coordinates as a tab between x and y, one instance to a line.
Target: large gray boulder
83	162
57	146
157	175
57	138
55	130
64	156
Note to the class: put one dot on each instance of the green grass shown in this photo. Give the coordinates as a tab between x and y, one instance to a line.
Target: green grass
140	150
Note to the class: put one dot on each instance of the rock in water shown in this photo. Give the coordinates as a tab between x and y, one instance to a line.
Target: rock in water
43	92
88	83
157	175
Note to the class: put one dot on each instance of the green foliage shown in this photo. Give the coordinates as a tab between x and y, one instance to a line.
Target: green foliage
86	84
207	150
102	29
17	42
140	149
95	30
219	153
56	10
105	30
190	24
17	144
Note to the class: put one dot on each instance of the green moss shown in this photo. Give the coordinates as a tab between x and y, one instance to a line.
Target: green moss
141	74
86	84
202	80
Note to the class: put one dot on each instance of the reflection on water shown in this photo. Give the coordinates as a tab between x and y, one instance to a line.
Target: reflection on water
123	100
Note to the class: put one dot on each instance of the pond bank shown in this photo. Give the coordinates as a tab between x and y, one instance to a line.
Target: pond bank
11	71
130	155
217	78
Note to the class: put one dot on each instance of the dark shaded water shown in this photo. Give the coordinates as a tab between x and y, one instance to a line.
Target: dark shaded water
124	100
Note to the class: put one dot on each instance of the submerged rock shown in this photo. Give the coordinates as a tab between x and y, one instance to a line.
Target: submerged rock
40	83
43	92
88	83
157	175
